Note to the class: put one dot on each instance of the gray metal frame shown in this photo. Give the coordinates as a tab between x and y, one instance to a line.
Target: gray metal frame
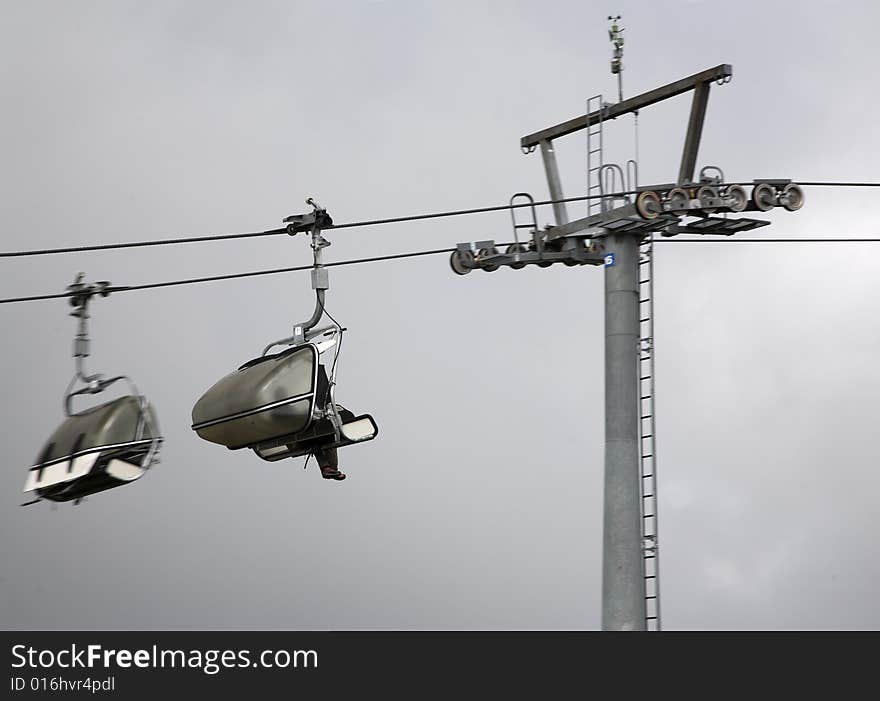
575	250
722	72
630	513
553	182
694	132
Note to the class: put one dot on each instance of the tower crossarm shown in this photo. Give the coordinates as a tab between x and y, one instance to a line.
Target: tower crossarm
721	73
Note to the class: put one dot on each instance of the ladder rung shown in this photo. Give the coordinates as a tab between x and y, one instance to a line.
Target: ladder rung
646	377
649	455
648	435
650	618
644	477
642	282
647	496
648	416
650	597
647	396
650	576
648	516
646	299
647	318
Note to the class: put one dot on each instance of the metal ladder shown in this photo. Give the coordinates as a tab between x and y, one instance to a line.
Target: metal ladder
647	436
531	217
594	157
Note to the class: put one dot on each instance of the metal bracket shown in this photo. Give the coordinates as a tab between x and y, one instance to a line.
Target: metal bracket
314	221
320	279
80	296
483	255
714	225
632	104
308	222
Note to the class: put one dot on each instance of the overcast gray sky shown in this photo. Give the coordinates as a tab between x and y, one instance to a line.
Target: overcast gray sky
479	504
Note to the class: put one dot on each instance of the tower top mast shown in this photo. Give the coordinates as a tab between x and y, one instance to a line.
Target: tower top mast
615	34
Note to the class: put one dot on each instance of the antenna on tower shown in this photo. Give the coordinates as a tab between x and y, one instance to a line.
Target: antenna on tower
615	34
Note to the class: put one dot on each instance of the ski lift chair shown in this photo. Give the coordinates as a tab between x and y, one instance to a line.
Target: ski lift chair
282	405
100	448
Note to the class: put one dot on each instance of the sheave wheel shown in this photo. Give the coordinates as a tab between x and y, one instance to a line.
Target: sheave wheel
513	249
648	205
764	196
706	194
457	262
739	198
678	199
792	197
486	253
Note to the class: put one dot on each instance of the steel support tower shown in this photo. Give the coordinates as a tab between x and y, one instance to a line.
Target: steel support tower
618	233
